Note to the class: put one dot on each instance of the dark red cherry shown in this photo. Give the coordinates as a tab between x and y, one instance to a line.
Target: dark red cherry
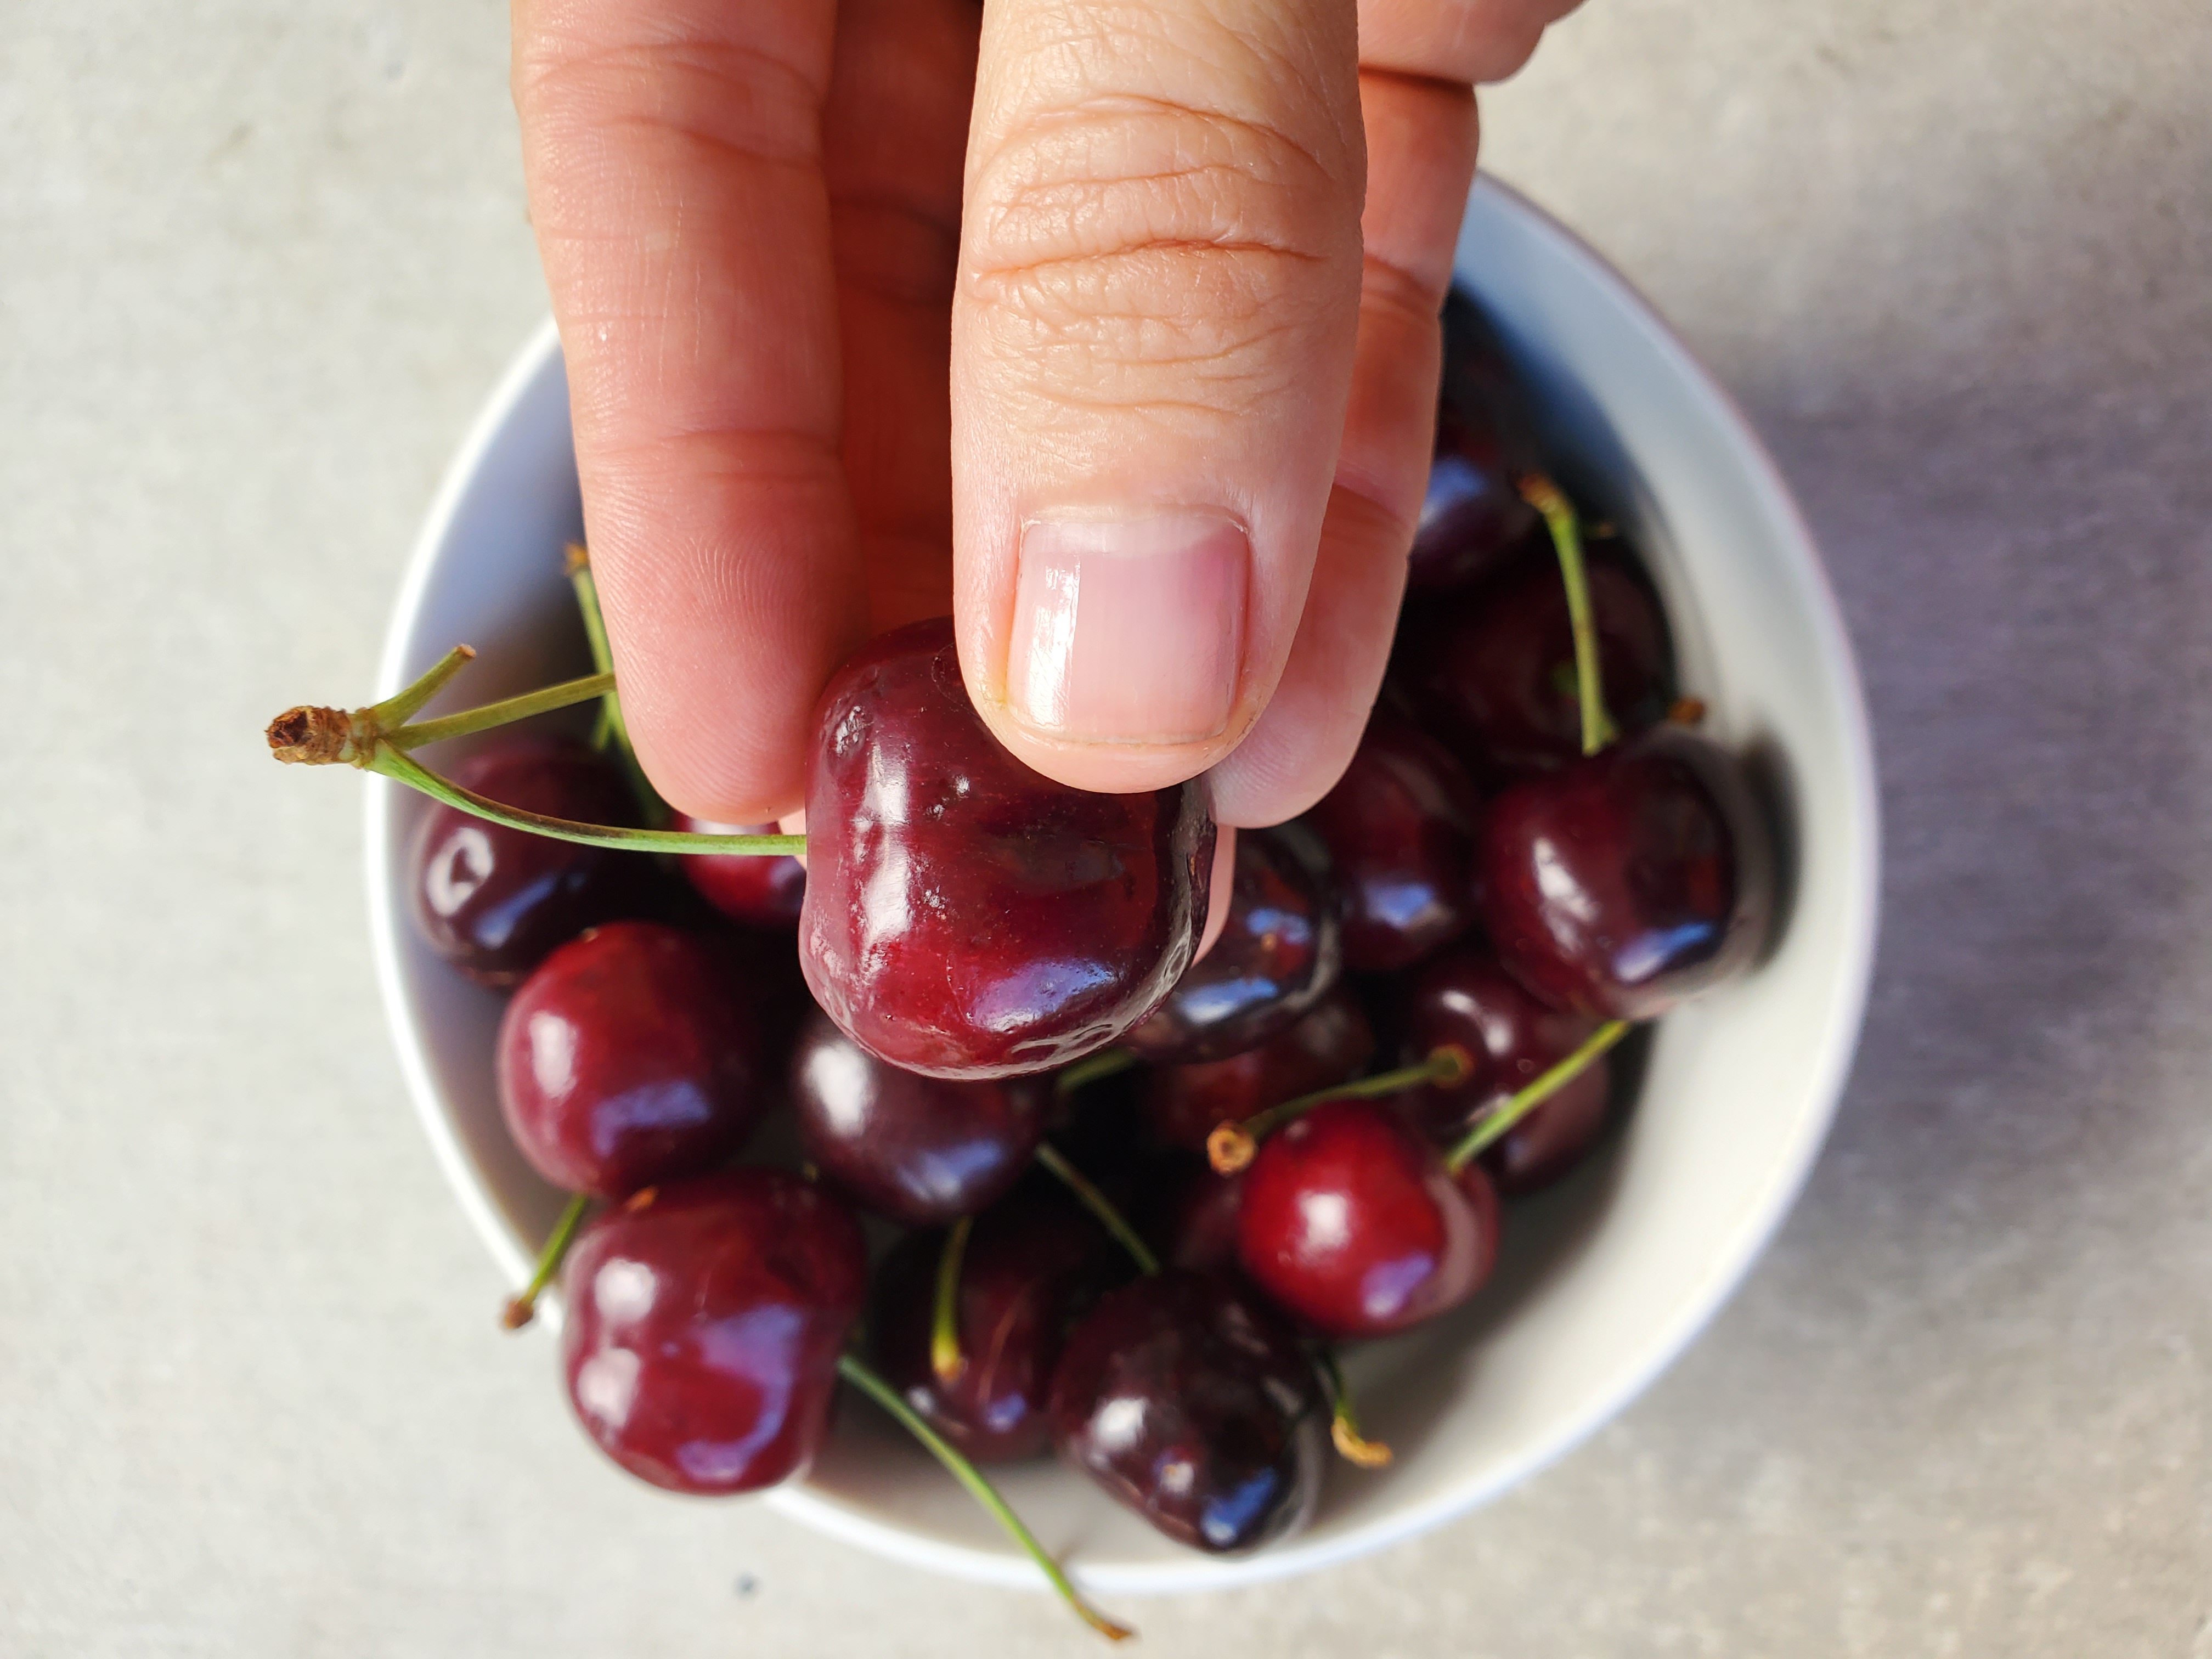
1492	671
1553	1138
1399	828
628	1058
1474	517
1200	1227
1191	1402
1330	1043
1627	881
764	891
1031	1268
1464	997
1352	1223
965	916
701	1332
493	901
1278	954
920	1150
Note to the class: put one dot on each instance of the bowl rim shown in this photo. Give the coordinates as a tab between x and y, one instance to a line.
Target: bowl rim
1828	1072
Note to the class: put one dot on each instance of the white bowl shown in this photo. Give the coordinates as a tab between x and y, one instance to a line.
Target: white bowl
1605	1279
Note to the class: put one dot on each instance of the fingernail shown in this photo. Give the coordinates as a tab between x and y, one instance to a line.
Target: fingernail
1130	630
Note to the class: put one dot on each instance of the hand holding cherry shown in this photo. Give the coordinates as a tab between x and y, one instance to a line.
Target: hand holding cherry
987	947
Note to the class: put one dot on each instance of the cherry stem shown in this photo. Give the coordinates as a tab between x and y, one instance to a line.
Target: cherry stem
1541	493
1498	1124
1100	1206
403	705
1232	1145
1353	1446
521	1310
506	711
865	1379
944	1320
1092	1068
610	728
365	737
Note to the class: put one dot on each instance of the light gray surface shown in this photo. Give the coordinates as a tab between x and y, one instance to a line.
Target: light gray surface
259	263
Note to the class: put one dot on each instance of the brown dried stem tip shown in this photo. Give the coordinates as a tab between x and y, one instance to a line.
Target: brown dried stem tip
1356	1449
1229	1148
312	736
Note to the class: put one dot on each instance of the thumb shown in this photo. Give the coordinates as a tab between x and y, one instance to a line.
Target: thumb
1152	343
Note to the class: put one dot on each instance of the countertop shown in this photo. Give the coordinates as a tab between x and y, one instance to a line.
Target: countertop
260	262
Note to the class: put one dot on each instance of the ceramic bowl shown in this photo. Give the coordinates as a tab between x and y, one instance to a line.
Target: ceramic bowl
1605	1279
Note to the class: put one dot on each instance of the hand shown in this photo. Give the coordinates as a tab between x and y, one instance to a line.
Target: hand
1166	295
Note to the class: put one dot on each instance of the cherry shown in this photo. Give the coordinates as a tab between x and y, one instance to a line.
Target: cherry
1352	1222
1201	1226
704	1325
1399	828
1474	516
1330	1043
765	891
1493	672
920	1150
494	901
1190	1401
1030	1268
1464	997
1279	953
1631	879
627	1059
965	916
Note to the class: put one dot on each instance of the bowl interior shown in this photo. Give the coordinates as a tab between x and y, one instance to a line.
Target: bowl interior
1605	1278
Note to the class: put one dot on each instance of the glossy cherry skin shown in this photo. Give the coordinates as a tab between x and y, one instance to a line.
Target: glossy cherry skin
1630	880
1030	1270
1350	1222
628	1058
922	1150
1399	828
1330	1043
702	1331
965	916
1465	997
1201	1230
1190	1401
1279	953
765	892
494	901
1473	518
1552	1138
1492	671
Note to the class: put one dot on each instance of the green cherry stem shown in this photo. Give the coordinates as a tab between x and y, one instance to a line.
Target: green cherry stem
1232	1145
1100	1206
945	1318
1092	1068
865	1380
521	1310
506	711
403	705
378	739
1497	1125
405	768
1353	1446
1541	493
610	728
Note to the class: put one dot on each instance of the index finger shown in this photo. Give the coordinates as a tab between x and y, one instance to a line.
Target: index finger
660	140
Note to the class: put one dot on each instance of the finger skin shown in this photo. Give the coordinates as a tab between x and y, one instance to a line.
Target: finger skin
1421	140
1467	41
1157	310
661	143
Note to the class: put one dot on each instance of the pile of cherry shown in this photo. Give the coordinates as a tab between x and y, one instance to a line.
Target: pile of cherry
1137	1199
